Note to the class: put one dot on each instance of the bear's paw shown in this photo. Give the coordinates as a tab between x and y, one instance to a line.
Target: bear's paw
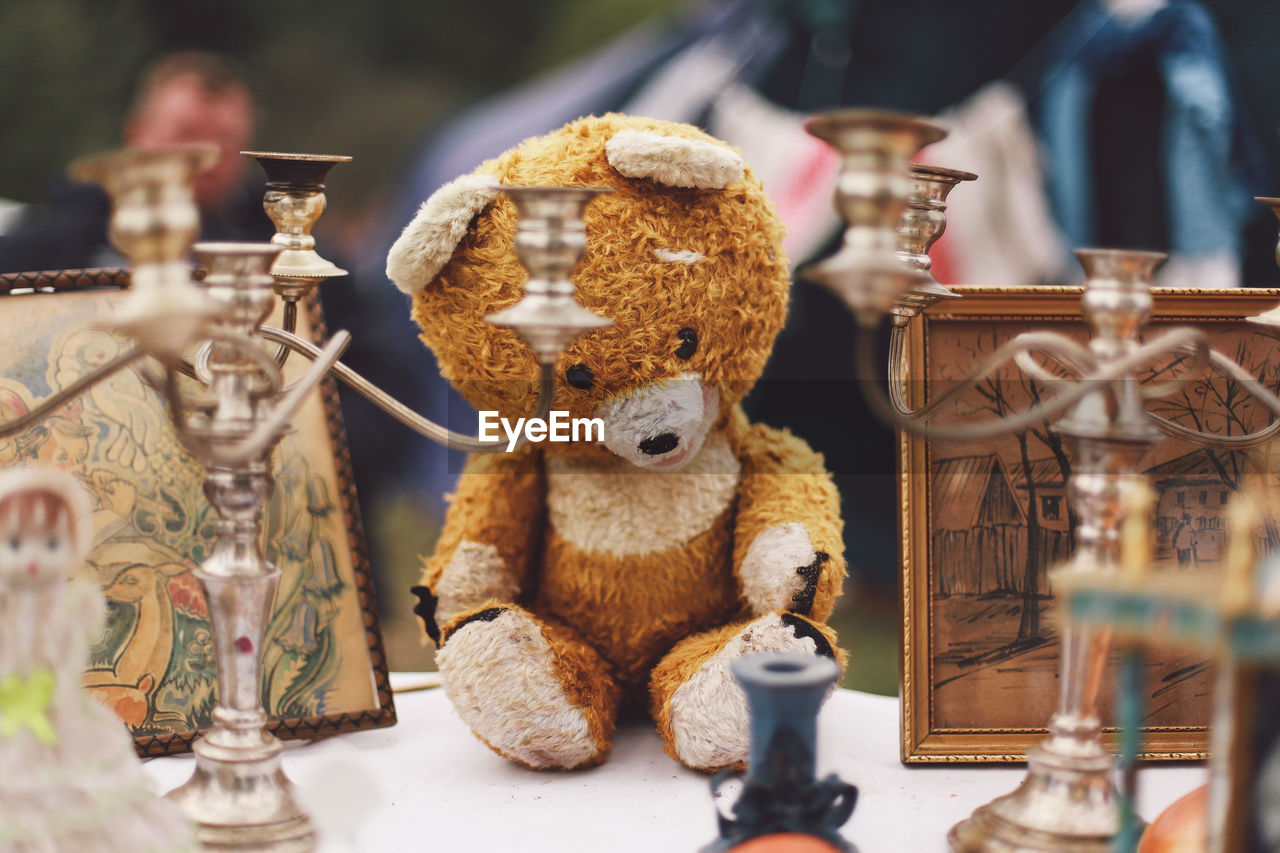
781	570
708	713
499	672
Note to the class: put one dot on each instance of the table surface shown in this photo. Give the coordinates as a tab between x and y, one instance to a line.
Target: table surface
428	783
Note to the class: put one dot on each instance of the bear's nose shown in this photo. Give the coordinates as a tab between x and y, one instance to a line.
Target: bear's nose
656	445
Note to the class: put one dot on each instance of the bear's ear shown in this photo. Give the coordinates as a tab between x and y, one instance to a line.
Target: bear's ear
673	160
427	242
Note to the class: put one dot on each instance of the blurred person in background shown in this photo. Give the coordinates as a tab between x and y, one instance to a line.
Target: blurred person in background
181	98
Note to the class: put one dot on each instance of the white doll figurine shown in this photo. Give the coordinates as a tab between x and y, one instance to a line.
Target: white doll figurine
69	778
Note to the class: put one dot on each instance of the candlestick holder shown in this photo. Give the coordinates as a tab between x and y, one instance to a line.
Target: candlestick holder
239	796
294	201
550	239
872	194
781	794
1066	801
923	222
154	221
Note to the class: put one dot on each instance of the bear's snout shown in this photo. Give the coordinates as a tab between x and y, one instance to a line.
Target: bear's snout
661	424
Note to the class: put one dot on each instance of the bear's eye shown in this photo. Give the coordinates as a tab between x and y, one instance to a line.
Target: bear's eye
580	377
688	344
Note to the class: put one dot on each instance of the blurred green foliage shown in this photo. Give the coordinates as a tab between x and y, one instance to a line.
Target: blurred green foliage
365	79
370	78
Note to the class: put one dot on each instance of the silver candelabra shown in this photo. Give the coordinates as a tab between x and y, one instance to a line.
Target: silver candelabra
1066	801
233	417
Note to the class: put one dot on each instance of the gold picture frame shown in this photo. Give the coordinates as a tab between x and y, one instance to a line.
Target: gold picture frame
324	668
978	671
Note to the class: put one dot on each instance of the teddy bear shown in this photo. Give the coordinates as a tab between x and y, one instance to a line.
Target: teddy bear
573	581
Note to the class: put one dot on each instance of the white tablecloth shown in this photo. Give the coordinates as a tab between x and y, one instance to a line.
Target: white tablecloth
427	783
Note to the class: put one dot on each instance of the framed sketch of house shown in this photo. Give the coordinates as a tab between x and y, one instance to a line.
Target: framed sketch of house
324	670
982	523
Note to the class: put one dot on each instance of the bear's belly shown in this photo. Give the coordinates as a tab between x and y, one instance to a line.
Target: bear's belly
634	608
636	560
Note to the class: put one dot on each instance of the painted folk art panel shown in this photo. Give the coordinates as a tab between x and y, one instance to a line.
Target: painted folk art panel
323	666
984	522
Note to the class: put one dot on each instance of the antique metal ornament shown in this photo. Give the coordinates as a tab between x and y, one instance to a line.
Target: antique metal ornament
294	201
235	414
923	222
872	194
1097	401
550	240
153	222
239	794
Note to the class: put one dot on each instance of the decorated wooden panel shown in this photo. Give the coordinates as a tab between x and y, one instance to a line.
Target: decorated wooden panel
984	522
323	665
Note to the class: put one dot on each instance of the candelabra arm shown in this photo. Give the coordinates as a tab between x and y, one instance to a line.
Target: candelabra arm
1246	380
1229	442
1036	370
416	422
199	371
290	323
75	389
165	381
1062	348
897	365
264	435
1072	356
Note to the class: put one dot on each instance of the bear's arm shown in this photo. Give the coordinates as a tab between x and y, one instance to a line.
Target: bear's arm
787	551
490	533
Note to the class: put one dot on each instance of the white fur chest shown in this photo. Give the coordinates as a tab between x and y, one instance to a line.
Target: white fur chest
616	508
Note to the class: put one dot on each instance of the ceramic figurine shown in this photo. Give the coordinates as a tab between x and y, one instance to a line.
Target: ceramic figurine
69	779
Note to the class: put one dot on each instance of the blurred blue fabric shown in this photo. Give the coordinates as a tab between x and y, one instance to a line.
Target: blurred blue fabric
1210	161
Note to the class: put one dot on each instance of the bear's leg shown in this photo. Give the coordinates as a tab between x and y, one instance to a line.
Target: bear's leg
533	691
698	705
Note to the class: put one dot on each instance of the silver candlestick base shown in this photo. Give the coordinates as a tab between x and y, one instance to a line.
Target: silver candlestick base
239	796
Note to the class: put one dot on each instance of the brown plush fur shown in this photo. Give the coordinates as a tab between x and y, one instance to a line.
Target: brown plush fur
618	277
638	625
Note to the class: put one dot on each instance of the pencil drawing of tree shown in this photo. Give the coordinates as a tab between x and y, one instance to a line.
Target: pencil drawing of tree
1218	404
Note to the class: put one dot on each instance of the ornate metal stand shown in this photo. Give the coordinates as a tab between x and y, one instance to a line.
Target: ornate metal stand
239	796
1066	801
